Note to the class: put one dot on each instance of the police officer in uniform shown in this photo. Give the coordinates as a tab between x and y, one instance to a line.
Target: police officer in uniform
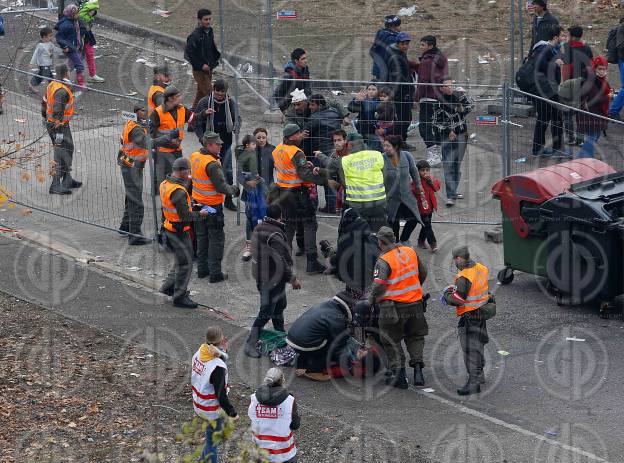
59	109
469	293
397	288
210	189
362	175
168	119
156	92
176	206
131	159
292	171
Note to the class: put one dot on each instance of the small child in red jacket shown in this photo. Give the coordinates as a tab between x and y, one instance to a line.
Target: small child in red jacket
427	206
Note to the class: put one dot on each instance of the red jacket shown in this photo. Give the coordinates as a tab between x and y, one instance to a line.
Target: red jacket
429	188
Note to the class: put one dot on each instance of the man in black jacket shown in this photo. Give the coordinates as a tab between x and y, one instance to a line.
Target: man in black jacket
543	21
272	268
320	336
547	79
201	52
399	71
296	75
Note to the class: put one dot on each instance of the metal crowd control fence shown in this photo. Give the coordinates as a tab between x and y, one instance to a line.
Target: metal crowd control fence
482	164
522	135
26	155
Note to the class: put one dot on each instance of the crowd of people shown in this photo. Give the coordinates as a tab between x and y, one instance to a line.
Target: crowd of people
368	176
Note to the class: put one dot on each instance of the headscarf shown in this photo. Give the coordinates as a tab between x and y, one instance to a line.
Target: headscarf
70	11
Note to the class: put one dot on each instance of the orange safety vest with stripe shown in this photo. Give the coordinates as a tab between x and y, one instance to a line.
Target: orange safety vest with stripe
169	211
153	90
168	124
403	283
286	172
49	98
478	295
204	191
131	150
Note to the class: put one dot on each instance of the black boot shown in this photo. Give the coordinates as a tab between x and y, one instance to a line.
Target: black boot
471	387
218	278
57	187
250	344
419	378
229	204
138	240
166	290
398	378
185	302
313	265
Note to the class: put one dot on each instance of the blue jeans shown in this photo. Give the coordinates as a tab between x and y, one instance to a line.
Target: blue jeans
618	102
209	454
588	148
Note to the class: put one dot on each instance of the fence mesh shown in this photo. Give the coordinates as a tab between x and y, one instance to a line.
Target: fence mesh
569	133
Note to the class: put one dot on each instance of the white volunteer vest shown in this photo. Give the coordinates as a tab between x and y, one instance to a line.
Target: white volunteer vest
205	401
270	428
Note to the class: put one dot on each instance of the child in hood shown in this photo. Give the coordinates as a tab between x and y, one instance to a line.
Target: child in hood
86	15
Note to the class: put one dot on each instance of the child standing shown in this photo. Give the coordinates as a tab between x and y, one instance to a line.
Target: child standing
384	125
43	57
86	15
429	185
253	191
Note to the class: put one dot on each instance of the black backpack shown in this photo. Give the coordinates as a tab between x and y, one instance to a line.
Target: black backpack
525	76
612	55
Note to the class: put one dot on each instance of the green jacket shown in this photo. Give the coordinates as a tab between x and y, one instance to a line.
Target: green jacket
87	7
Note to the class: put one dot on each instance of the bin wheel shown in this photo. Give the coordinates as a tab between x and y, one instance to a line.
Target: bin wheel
505	276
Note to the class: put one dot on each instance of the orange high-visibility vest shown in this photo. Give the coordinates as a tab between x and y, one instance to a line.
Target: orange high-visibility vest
153	90
137	153
479	290
50	93
403	284
168	124
169	211
204	191
287	176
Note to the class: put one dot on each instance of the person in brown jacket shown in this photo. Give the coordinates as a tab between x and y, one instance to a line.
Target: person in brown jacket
272	268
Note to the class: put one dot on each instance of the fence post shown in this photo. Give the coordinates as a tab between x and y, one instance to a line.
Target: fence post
269	19
222	26
61	7
233	161
152	168
521	28
512	39
506	128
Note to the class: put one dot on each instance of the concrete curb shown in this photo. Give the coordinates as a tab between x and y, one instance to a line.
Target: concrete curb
44	241
176	42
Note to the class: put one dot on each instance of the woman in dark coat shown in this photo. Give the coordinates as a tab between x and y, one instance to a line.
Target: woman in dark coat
595	98
264	155
399	173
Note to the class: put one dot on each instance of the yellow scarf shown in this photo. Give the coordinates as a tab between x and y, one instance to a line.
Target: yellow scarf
207	352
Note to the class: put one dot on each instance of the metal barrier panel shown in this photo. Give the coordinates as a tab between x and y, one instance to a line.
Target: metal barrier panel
559	133
481	166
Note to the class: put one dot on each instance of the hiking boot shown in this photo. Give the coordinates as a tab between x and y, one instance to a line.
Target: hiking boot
166	291
185	302
314	266
469	388
218	278
397	378
251	351
202	274
138	240
247	251
419	378
75	184
59	189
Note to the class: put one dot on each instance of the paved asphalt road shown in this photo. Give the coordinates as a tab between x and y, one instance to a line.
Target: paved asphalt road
549	400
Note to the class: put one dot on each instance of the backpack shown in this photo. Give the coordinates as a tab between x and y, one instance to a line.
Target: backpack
570	92
525	76
612	55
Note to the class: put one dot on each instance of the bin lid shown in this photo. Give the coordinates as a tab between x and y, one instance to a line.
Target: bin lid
540	185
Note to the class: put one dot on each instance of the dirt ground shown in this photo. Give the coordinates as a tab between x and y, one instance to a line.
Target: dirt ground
338	34
72	393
